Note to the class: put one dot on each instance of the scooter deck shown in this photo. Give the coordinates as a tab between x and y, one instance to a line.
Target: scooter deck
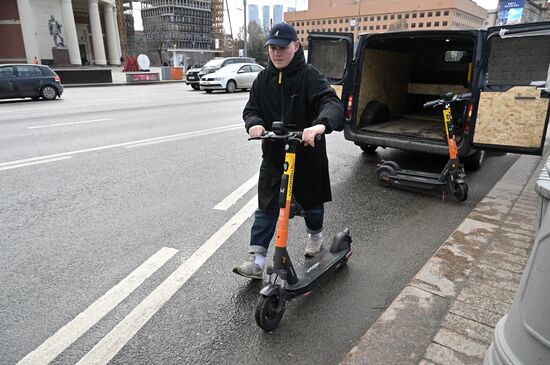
417	180
420	174
322	265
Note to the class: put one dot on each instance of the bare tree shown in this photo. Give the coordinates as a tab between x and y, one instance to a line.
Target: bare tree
256	43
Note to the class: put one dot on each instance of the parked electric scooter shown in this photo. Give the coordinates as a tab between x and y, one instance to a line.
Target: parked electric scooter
284	282
451	178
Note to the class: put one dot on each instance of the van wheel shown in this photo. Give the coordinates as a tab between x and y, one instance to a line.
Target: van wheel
475	161
48	92
195	87
368	148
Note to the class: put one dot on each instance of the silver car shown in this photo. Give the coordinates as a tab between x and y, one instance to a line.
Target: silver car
231	77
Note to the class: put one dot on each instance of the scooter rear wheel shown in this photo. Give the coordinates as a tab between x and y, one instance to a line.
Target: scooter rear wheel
383	174
460	192
267	315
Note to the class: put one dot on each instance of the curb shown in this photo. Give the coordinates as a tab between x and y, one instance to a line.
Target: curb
410	330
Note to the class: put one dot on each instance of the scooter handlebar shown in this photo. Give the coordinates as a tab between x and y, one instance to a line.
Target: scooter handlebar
454	98
297	136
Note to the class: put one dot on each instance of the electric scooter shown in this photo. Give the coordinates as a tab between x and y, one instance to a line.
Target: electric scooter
451	178
284	282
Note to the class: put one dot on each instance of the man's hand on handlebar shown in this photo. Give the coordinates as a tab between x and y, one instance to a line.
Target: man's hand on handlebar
309	134
256	131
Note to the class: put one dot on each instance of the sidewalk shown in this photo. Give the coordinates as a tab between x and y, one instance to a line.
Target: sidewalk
448	311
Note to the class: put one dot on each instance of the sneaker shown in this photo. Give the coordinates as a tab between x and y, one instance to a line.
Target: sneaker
314	245
249	269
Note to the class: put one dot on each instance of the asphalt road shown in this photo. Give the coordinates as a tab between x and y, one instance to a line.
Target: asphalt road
111	249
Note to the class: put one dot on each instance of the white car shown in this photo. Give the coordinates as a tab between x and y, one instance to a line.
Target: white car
231	77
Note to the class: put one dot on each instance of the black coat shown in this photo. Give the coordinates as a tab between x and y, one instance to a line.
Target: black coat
300	97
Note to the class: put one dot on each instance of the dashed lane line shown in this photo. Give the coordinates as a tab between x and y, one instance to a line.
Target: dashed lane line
113	342
69	333
69	123
8	167
237	194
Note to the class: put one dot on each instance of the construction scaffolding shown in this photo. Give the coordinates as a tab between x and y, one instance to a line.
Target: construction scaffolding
218	32
120	5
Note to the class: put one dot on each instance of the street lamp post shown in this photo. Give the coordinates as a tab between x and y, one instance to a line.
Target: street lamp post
245	31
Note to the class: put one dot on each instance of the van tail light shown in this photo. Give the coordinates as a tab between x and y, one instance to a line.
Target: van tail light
467	125
348	109
57	78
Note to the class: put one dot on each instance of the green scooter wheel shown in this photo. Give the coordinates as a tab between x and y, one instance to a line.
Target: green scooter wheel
268	315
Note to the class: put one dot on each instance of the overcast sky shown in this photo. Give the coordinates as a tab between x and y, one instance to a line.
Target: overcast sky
237	19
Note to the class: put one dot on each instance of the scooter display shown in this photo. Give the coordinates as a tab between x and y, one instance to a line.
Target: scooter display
285	283
451	178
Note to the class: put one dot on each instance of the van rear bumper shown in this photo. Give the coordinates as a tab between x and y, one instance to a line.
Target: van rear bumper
406	144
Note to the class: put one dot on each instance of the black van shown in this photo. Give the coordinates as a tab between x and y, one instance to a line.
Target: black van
384	86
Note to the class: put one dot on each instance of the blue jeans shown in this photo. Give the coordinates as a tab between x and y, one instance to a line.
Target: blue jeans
265	222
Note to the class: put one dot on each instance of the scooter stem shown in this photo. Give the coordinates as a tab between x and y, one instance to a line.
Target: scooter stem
287	181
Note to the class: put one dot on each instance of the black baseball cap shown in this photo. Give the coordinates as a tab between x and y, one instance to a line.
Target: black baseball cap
281	35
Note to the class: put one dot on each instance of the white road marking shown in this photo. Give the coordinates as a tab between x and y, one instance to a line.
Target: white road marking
69	123
63	338
111	344
33	163
141	141
184	135
237	194
30	110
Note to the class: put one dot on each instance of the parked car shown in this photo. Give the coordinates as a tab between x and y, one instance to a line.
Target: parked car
231	77
384	85
29	81
193	77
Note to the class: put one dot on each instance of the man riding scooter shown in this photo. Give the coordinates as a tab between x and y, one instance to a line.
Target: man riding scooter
293	92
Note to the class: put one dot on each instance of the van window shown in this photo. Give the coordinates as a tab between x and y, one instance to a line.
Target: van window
330	58
456	56
518	61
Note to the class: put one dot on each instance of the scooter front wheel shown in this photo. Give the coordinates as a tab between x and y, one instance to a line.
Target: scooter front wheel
268	314
460	192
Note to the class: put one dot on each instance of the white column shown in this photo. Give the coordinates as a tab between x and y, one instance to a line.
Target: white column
71	37
27	29
119	46
111	34
97	33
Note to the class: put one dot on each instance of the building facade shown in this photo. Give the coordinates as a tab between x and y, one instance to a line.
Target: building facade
521	11
253	15
32	30
183	28
370	16
277	14
265	18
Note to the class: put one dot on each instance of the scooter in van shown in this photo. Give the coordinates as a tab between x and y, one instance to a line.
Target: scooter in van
450	179
284	282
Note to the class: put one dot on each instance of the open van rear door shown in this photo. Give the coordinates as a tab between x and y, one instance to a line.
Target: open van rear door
512	114
332	54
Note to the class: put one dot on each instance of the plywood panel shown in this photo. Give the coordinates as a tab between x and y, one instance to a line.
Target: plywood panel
512	118
385	78
338	90
436	89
